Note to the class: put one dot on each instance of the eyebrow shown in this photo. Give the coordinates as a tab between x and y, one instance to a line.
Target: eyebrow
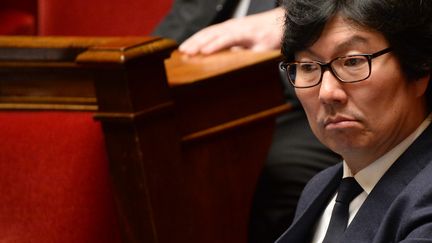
345	45
353	41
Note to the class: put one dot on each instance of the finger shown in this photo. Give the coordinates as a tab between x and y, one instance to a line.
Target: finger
195	43
224	42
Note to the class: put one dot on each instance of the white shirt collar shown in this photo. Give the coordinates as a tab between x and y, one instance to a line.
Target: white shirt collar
369	176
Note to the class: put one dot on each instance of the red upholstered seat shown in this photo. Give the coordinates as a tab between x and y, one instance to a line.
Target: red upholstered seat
54	182
18	17
16	22
100	17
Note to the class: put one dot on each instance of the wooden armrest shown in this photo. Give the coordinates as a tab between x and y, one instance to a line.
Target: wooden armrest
59	72
183	69
80	49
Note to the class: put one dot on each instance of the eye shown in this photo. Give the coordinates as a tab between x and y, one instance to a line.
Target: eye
355	61
308	67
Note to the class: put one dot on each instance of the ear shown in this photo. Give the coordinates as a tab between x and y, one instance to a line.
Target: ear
421	85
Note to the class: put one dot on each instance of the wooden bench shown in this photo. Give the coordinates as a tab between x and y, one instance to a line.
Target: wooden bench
185	137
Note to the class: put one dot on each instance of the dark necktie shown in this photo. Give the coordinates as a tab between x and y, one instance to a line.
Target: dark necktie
348	190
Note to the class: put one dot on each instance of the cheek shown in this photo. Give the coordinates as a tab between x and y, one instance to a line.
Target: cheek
391	95
310	103
308	99
386	100
386	87
381	92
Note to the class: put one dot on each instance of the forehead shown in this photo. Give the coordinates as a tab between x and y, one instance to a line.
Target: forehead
340	36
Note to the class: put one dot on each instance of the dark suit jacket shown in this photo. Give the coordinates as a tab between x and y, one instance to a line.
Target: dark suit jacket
398	209
189	16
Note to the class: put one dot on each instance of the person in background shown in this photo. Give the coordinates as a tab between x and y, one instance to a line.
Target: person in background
207	26
362	72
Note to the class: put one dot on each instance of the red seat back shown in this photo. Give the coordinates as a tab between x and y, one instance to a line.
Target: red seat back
100	17
54	180
18	17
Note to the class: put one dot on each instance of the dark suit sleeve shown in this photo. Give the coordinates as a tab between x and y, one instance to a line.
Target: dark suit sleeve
420	225
409	218
187	17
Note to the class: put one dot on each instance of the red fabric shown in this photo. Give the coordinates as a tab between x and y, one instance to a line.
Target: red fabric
54	182
16	22
100	17
23	5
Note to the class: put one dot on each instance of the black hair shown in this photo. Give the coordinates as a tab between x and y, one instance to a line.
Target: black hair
406	24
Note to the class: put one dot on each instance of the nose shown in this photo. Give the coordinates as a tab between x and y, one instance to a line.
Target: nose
331	89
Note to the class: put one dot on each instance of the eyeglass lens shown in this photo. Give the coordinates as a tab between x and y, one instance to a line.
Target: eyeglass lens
347	69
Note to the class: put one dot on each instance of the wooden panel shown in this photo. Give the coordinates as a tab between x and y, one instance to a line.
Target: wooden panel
185	146
225	107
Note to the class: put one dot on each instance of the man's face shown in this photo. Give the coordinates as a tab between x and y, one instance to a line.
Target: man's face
363	120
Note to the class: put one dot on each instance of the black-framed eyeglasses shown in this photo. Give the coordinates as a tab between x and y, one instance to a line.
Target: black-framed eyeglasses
347	69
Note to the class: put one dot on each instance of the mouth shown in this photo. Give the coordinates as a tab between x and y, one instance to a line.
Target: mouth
339	122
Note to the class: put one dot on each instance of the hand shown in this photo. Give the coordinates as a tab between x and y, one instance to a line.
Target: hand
258	32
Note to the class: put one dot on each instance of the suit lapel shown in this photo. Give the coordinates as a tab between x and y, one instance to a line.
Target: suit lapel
301	229
367	221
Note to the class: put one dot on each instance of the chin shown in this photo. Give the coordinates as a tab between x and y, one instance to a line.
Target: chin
344	145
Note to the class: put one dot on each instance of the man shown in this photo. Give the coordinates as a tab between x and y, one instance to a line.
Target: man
295	155
362	70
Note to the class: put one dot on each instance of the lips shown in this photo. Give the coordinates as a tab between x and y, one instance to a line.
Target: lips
339	122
